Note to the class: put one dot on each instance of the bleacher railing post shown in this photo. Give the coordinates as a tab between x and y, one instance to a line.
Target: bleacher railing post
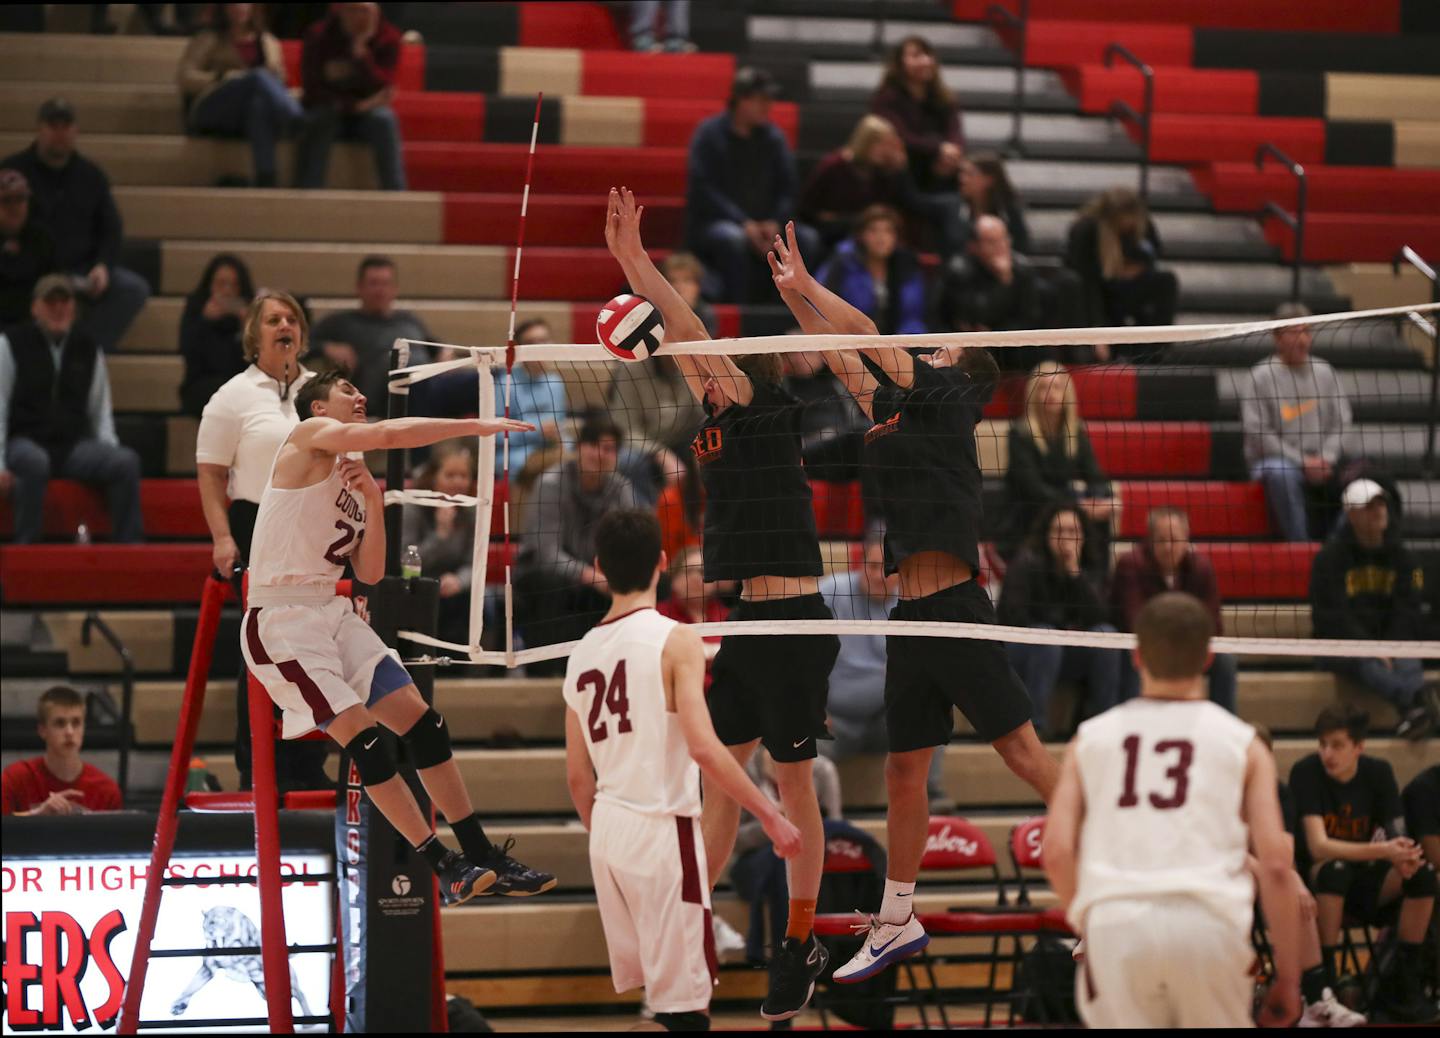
1143	118
1020	23
1296	223
1414	259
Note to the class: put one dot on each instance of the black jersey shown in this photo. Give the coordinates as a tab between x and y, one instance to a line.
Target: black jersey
1353	811
1422	804
759	520
920	455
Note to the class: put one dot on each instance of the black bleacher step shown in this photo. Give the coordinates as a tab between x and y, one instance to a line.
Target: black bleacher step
893	10
21	661
1288	51
1354	344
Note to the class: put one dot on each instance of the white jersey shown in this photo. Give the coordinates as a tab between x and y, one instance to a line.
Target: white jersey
615	684
1164	785
302	539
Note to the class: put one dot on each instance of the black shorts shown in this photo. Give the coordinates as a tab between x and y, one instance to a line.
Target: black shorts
1362	900
773	687
926	678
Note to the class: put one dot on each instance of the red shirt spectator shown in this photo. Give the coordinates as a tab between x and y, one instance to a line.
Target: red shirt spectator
690	603
341	69
1141	574
59	782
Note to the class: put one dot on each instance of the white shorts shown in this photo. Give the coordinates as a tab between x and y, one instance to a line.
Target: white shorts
1162	963
315	660
654	895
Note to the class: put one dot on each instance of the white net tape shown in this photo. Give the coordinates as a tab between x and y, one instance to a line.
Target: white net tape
486	358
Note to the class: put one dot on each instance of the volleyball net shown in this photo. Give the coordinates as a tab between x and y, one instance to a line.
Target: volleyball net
1111	459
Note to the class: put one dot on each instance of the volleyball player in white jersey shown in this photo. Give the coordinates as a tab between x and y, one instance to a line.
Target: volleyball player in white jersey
637	736
324	666
1146	846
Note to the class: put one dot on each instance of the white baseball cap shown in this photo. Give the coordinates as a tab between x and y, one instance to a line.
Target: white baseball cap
1361	492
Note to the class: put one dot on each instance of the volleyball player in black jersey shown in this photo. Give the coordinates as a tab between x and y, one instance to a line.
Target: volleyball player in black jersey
759	529
921	455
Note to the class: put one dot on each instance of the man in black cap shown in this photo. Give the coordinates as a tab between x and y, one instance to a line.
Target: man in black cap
26	251
55	416
71	199
742	186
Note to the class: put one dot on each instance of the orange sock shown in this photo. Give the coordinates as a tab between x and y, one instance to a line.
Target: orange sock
802	918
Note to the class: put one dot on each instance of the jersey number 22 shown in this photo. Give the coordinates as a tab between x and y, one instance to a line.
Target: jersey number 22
608	695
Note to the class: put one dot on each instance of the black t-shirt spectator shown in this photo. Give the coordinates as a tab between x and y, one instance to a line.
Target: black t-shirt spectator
213	354
1422	804
759	520
1036	594
1287	809
1353	810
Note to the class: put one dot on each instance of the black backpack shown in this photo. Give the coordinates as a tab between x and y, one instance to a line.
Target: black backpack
1045	983
866	1004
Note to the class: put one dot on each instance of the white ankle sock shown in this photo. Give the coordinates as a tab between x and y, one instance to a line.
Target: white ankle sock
896	908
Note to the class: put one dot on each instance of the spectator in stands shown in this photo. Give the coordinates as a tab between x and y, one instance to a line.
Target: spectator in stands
211	330
877	275
692	601
871	169
445	536
70	198
832	426
1049	586
989	287
757	873
856	704
1167	561
741	187
360	340
651	401
55	416
681	508
232	81
1052	462
241	430
1115	250
537	395
347	70
1365	586
58	782
1358	860
26	251
913	98
559	594
1422	812
644	36
985	190
1295	414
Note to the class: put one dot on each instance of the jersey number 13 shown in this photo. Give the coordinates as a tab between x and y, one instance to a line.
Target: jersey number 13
609	695
1178	773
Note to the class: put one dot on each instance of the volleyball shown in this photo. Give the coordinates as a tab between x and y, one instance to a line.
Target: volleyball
630	327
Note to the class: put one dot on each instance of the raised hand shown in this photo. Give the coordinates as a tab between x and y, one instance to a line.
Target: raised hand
356	476
787	266
622	224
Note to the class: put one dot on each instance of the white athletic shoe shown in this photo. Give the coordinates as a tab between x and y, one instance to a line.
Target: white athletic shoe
1330	1012
885	943
728	941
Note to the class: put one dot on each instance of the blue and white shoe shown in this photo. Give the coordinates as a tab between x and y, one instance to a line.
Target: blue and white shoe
885	943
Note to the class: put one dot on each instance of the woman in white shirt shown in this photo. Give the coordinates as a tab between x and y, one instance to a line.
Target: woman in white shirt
241	431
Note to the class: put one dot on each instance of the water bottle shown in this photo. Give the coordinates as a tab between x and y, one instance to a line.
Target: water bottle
82	534
410	562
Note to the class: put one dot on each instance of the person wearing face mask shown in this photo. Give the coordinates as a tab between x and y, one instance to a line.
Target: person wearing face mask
1167	561
241	429
56	419
878	276
210	330
71	199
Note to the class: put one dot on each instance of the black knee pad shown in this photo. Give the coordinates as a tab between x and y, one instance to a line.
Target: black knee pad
428	740
1335	877
1422	884
693	1021
372	756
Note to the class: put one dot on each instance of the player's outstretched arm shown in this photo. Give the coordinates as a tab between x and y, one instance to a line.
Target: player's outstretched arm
579	771
1272	874
326	434
684	664
844	318
622	236
1060	852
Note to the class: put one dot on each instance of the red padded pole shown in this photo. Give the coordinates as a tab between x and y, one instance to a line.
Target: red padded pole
275	955
212	598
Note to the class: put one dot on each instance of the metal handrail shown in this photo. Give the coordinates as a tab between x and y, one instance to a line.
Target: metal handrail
1295	222
1414	259
127	692
1122	110
998	13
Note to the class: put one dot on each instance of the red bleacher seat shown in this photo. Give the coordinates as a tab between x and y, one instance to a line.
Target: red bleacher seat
1239	187
1181	90
630	74
556	220
563	24
1216	508
839	509
567	169
104	574
440	116
1151	449
1358	237
1233	138
1261	571
171	508
1050	44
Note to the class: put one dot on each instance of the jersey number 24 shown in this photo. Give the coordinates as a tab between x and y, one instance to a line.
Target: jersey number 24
609	695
